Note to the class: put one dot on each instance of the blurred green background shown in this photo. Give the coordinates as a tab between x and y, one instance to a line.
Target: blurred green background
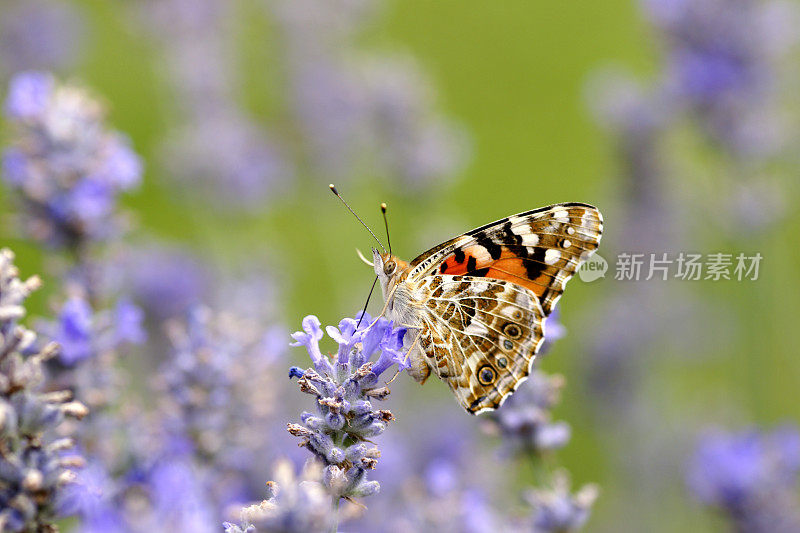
514	75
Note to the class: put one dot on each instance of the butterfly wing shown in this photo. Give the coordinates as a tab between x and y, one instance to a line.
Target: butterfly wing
539	249
480	335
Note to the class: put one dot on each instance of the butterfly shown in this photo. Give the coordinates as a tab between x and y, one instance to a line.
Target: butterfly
476	305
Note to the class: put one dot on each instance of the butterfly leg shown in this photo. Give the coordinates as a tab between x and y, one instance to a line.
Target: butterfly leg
405	362
385	307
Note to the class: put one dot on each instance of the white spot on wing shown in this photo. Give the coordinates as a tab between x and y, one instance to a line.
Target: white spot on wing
477	328
478	287
507	310
561	216
551	256
530	239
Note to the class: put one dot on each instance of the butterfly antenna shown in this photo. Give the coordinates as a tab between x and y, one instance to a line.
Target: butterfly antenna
364	311
335	192
386	224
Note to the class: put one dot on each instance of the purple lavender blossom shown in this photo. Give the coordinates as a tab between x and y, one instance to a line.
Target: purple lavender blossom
35	464
39	34
462	509
751	476
180	497
338	435
310	336
65	166
196	55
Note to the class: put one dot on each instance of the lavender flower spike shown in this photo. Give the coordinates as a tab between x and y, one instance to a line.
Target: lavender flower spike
293	505
338	434
34	465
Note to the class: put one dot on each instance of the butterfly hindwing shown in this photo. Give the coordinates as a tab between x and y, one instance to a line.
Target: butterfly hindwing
480	336
540	250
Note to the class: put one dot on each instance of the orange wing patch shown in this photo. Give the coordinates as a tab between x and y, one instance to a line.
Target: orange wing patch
509	266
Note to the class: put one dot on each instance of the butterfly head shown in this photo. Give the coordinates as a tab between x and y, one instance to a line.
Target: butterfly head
388	269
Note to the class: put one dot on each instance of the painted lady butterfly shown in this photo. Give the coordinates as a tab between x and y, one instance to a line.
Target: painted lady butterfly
476	304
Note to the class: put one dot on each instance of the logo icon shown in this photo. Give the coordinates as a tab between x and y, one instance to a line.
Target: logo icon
594	268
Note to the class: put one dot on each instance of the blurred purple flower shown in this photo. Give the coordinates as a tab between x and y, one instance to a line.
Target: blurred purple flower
29	94
294	504
441	476
556	510
553	331
166	281
90	496
128	323
218	387
197	56
120	166
413	142
524	419
39	34
355	109
180	500
64	164
723	60
83	334
167	493
217	148
74	332
478	514
228	156
751	475
14	163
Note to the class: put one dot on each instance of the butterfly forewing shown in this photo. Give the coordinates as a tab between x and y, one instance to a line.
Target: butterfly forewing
540	249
